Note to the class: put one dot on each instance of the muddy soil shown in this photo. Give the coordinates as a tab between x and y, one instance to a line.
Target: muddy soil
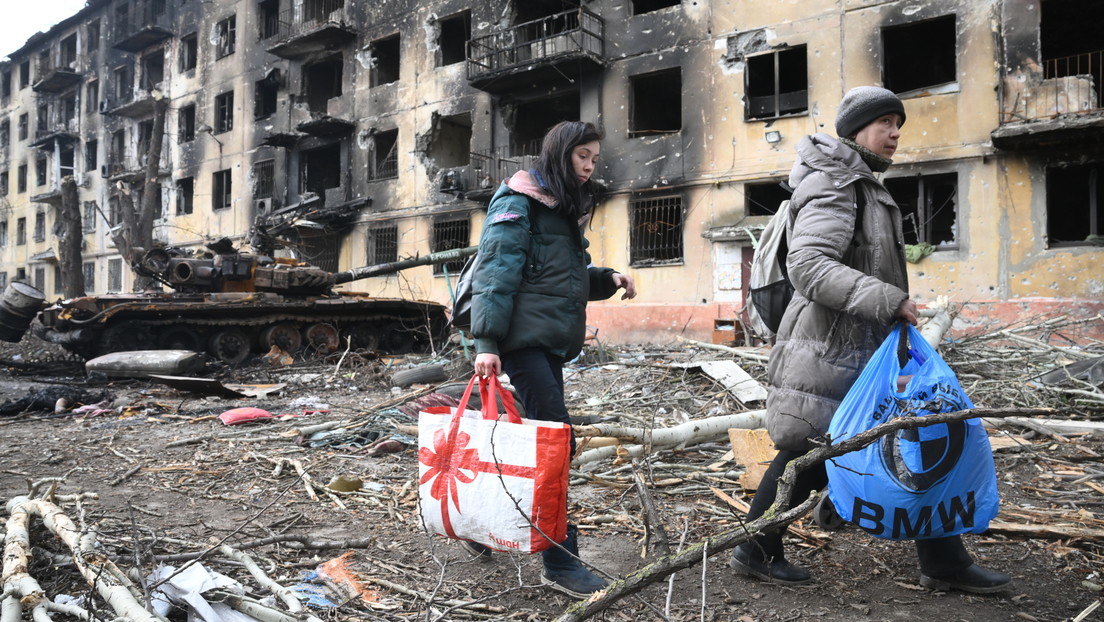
171	478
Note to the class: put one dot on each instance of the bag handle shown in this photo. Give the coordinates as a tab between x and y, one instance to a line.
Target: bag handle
489	389
903	345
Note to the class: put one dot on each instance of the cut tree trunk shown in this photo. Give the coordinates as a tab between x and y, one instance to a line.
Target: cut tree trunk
70	235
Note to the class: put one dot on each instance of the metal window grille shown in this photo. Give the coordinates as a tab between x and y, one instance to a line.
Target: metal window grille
264	179
655	236
89	222
386	155
114	275
224	112
226	36
89	270
447	235
383	244
40	279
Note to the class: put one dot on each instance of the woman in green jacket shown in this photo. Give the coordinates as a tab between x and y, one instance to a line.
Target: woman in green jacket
529	295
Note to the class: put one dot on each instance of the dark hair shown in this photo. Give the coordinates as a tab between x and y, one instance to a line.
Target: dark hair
555	166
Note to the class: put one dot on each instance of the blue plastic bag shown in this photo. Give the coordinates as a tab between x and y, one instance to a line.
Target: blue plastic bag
927	482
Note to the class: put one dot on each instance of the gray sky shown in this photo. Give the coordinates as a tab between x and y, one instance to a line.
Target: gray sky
23	18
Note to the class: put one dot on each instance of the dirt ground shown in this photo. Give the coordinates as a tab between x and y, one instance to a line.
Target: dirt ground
171	479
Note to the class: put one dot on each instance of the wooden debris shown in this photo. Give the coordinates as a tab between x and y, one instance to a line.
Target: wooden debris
754	450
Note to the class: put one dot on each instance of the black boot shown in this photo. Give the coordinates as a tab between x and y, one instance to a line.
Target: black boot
564	572
973	579
748	559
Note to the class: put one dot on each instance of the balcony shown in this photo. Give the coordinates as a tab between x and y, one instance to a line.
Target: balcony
137	104
55	78
63	131
1063	105
316	26
559	47
145	24
486	170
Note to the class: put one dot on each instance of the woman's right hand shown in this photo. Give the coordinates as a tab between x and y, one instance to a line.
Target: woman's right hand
488	364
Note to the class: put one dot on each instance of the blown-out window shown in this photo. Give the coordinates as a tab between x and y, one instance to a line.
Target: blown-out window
929	208
777	84
655	234
1075	205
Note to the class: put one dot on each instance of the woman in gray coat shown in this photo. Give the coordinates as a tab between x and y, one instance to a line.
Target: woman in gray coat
851	287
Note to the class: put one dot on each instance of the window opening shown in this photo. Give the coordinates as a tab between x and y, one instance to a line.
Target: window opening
189	52
320	169
264	179
385	60
3	233
123	86
225	37
929	208
919	55
93	36
655	236
221	188
384	157
24	126
24	74
40	171
224	112
447	235
21	178
185	196
21	232
40	278
763	199
4	184
451	144
114	276
186	123
322	82
1075	205
647	6
777	84
383	244
40	227
265	97
268	18
88	223
656	103
153	69
69	51
1070	46
88	269
92	95
454	37
531	120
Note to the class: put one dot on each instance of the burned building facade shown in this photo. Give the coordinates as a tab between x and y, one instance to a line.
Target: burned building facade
365	132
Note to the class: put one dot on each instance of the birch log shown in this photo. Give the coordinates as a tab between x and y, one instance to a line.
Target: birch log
94	567
689	433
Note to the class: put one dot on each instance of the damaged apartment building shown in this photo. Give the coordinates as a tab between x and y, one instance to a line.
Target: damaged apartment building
365	132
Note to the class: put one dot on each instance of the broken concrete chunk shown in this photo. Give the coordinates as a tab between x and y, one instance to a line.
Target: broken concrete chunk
143	363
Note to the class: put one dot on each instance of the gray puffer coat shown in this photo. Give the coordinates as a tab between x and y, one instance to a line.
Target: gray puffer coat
849	284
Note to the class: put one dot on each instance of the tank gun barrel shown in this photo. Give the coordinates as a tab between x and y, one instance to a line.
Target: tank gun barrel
395	266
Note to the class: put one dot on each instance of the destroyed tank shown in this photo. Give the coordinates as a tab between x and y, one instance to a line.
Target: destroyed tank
231	304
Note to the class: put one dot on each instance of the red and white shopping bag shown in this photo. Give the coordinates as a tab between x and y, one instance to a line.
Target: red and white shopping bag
498	482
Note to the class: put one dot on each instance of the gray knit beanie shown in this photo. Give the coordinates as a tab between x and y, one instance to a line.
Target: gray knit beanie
864	104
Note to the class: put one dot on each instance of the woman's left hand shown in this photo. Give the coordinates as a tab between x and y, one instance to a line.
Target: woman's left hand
625	281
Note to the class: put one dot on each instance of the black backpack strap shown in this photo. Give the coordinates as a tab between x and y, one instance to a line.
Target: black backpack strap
860	212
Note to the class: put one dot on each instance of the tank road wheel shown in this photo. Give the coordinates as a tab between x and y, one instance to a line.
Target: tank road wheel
229	345
321	338
125	337
180	338
362	336
285	335
396	339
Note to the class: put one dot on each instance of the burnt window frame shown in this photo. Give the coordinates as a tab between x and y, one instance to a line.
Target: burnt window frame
185	196
92	95
186	123
762	198
458	230
387	167
4	233
374	75
24	74
224	112
21	178
146	64
779	77
264	179
458	22
222	189
656	77
226	36
1060	207
24	126
41	171
91	154
92	36
898	57
266	98
644	252
919	208
5	183
382	244
189	52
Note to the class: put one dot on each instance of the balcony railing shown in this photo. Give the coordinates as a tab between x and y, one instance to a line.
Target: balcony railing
484	172
52	77
573	34
313	26
143	25
1070	85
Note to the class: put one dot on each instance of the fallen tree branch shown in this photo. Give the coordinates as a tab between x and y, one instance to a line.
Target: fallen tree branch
689	433
666	566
